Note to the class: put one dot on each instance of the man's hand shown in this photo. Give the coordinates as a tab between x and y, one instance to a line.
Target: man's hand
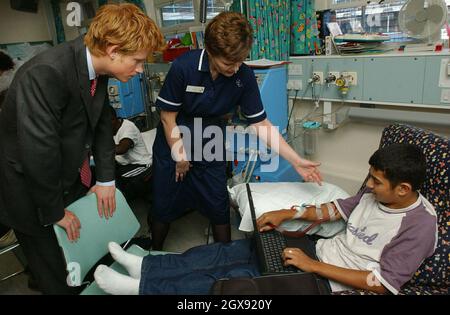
296	257
106	200
181	169
71	224
272	219
309	171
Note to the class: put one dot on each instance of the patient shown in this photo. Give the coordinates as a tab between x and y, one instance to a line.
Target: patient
391	229
133	161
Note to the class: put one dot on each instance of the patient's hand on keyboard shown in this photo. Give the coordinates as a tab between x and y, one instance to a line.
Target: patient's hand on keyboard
297	258
272	219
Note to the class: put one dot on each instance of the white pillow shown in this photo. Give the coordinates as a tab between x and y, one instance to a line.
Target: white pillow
275	196
149	137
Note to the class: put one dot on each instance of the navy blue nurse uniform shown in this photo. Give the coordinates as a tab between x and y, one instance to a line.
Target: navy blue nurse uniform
189	90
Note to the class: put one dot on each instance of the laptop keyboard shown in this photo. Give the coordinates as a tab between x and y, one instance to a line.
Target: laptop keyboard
274	243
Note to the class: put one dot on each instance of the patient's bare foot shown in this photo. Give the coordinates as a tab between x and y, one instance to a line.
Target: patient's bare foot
115	283
132	263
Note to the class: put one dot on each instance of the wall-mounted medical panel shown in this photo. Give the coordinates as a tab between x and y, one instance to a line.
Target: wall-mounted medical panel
437	81
394	80
419	79
339	67
324	68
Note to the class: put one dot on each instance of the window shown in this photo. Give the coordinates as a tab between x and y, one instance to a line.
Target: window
176	16
177	13
373	17
340	4
214	8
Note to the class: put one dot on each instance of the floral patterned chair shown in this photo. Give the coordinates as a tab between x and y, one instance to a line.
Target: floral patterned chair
432	277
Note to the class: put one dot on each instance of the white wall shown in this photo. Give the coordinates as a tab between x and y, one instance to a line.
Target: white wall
70	32
150	7
345	151
321	5
17	26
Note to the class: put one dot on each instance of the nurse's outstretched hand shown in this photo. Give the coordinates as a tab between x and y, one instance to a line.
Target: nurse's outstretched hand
182	168
309	171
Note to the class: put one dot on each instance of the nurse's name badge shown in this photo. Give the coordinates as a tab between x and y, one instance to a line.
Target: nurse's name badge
195	89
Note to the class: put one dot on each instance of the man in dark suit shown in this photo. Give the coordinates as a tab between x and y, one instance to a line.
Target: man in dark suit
53	117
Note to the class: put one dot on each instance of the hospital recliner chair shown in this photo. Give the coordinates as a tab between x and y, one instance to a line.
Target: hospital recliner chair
432	276
95	234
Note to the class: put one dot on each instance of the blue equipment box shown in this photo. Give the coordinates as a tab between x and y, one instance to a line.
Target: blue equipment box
127	98
272	83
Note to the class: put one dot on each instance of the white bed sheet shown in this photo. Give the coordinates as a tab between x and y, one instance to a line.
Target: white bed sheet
275	196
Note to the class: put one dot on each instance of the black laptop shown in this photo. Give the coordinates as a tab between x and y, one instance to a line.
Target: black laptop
270	246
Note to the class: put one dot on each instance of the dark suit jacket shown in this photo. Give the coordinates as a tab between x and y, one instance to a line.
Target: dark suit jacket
48	124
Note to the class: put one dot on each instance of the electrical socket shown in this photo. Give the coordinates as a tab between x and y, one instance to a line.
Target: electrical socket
295	69
295	85
353	77
320	75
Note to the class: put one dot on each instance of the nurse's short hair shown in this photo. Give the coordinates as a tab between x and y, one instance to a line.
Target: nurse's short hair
124	25
230	36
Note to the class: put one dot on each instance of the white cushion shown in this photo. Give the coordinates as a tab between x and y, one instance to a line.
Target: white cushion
275	196
149	137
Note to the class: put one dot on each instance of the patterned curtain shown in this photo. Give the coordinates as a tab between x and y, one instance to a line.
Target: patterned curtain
304	31
236	6
270	20
60	35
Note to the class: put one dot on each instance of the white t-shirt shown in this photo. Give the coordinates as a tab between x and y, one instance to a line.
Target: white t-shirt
392	243
137	154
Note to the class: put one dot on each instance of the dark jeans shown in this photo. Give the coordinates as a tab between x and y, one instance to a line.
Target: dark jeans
195	271
46	263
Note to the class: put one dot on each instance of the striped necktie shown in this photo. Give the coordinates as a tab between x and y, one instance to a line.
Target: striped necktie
85	171
93	86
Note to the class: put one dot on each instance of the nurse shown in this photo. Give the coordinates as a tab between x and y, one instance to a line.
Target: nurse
201	87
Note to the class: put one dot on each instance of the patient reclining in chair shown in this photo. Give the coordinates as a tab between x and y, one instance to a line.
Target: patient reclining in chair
390	229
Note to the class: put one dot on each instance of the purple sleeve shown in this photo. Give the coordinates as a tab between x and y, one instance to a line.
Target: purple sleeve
346	206
415	241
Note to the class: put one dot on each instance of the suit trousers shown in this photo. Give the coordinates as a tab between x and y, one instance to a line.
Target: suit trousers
46	262
45	257
3	230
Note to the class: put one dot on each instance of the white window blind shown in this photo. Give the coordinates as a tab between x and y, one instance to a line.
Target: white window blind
373	17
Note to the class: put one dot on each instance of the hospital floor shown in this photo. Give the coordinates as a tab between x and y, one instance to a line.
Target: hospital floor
188	231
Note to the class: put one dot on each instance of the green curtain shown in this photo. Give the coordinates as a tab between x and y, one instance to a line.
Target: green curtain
236	6
60	35
270	20
304	31
139	3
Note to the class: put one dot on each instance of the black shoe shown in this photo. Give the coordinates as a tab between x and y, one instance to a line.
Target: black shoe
144	242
